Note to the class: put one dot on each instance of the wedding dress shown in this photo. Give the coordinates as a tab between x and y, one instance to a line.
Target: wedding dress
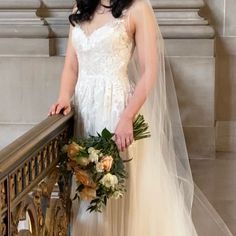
160	190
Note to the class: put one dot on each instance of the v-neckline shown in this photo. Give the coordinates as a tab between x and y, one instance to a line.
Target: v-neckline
107	24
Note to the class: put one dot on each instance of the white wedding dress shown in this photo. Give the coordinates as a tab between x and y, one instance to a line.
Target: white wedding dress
102	93
153	205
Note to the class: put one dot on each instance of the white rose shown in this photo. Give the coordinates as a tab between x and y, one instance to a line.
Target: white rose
109	180
99	167
117	194
93	156
91	149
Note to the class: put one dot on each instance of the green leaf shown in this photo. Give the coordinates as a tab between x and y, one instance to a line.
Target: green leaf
107	134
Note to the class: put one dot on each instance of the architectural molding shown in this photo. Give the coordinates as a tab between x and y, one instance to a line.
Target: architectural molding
181	19
187	32
22	31
176	4
58	4
45	23
22	4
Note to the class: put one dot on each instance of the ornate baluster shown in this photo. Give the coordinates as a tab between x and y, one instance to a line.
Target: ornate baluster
40	162
34	205
12	186
19	180
26	174
33	169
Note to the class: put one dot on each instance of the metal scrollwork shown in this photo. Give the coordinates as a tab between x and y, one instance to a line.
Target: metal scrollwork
34	196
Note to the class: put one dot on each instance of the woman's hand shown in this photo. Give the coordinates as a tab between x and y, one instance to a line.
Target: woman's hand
124	133
60	105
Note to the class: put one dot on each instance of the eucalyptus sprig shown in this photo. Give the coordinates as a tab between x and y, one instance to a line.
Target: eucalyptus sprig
140	128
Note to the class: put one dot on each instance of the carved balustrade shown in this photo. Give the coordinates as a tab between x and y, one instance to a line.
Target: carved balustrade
34	195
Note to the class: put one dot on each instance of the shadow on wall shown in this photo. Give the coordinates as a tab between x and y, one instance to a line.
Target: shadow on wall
55	17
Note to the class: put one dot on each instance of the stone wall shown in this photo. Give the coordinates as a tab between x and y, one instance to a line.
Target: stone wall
222	15
190	46
31	61
33	37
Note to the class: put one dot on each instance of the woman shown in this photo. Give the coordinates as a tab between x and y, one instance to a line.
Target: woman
116	52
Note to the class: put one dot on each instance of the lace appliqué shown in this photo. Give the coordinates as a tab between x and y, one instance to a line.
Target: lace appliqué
103	86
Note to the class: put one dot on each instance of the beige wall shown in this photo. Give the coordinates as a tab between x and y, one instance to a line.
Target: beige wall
222	15
27	88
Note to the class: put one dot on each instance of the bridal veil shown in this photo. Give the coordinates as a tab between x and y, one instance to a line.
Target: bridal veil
166	159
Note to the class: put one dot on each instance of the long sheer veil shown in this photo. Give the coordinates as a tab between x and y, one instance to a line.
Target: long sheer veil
167	139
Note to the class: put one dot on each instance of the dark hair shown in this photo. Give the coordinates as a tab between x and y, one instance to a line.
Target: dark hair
86	9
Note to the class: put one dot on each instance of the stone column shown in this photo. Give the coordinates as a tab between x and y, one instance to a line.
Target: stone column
190	45
22	32
222	15
55	14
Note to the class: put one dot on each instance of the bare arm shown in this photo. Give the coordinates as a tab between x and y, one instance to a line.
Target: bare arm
144	24
145	38
70	72
68	80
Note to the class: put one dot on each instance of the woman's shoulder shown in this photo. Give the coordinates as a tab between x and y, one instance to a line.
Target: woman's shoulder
140	9
140	6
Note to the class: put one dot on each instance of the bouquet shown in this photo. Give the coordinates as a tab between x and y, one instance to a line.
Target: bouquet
98	167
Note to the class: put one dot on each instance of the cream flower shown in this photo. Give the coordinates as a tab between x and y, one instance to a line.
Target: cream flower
91	149
82	161
117	194
99	167
109	180
93	156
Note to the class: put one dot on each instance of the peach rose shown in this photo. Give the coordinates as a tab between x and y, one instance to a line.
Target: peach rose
84	178
73	150
107	162
88	194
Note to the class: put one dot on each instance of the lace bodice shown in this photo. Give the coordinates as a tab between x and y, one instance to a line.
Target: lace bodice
103	85
106	51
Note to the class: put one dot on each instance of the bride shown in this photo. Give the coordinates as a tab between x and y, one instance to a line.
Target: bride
115	68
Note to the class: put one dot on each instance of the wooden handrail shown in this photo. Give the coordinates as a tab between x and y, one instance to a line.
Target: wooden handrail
17	151
28	174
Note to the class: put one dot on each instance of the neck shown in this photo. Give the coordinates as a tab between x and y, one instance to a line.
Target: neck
105	2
